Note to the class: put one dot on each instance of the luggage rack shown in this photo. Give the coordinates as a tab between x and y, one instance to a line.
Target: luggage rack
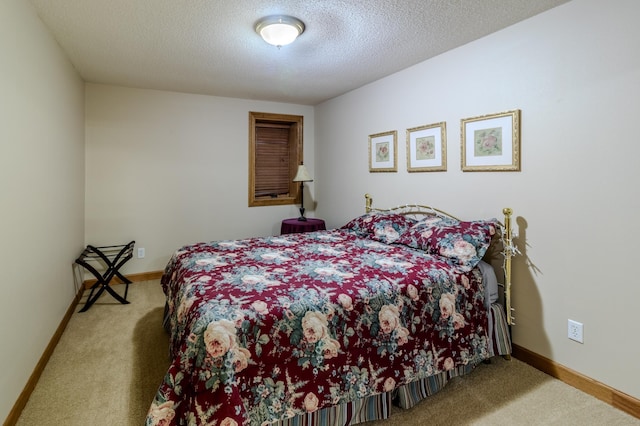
113	257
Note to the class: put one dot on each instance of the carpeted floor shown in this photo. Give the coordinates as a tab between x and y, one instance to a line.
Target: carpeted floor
111	359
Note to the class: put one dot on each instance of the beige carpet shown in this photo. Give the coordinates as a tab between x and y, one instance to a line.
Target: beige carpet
111	359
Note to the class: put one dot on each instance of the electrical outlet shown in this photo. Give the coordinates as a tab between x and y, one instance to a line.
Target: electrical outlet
141	253
575	331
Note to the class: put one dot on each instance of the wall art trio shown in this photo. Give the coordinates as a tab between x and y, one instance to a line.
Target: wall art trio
488	143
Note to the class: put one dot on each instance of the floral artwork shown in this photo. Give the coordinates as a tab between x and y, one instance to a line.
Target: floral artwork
265	329
382	151
491	142
427	148
488	142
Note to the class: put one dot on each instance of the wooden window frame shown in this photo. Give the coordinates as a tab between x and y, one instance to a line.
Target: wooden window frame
295	123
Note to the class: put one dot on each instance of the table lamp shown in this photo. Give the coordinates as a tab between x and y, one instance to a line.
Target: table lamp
302	176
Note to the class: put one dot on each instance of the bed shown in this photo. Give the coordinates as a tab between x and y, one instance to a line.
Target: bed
332	327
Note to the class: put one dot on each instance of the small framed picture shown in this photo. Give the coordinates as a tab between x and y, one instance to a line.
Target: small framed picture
491	142
383	152
427	148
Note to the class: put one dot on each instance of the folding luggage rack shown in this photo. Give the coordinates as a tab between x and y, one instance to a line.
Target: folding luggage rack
113	258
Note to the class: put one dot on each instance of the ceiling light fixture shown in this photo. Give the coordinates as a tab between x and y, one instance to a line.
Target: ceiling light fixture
279	30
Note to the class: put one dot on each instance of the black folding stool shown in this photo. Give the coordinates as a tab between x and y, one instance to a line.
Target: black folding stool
113	257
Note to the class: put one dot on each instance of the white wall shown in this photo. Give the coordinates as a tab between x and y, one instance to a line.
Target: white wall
168	169
41	191
574	71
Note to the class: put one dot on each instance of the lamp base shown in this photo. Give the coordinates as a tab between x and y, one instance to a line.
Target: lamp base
302	218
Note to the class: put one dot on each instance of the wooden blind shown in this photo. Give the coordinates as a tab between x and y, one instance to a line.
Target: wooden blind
272	160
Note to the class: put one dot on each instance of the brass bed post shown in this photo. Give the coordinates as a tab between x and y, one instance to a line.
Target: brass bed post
368	202
508	252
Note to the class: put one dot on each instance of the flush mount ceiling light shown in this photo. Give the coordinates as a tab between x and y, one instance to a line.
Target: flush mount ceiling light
279	30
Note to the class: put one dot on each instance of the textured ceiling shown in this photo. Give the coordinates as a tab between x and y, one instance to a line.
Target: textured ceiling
210	46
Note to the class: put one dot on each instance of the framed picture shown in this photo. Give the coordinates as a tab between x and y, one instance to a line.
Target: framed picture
491	142
427	148
382	152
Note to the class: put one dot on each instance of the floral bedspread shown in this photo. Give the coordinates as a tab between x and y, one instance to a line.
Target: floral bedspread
267	328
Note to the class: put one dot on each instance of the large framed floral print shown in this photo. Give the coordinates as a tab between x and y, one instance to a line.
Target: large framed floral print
491	142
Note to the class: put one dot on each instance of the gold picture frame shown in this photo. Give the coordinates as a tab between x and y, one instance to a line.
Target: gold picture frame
383	149
427	148
491	142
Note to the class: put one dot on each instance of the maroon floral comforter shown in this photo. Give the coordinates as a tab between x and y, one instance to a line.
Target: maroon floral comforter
267	328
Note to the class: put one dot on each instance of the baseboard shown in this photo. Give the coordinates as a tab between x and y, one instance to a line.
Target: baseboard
143	276
21	402
613	397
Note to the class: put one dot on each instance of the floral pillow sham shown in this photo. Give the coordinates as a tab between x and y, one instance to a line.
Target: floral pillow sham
383	227
462	243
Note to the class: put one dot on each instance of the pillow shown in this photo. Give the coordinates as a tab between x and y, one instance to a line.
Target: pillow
384	227
462	243
418	235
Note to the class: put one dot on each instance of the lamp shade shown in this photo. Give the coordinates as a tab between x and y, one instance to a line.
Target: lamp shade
279	30
302	175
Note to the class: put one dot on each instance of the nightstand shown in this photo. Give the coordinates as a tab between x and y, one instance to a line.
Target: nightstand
295	226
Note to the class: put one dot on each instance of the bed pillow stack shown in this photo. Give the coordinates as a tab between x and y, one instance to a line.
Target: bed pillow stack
462	243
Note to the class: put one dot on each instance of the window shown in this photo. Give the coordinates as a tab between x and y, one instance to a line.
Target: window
275	150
